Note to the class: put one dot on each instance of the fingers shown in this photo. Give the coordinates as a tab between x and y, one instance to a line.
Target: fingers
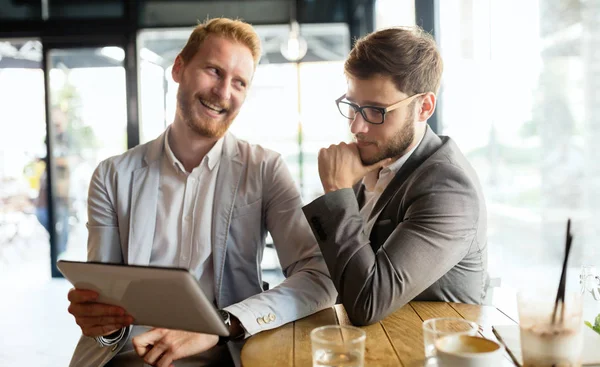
104	325
155	354
81	295
95	310
165	360
96	319
151	347
143	342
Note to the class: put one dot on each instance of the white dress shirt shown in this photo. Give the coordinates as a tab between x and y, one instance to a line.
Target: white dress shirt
375	183
182	236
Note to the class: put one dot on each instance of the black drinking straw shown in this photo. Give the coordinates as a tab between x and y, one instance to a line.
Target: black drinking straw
560	294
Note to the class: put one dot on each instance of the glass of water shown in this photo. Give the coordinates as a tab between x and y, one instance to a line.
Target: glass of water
337	346
440	327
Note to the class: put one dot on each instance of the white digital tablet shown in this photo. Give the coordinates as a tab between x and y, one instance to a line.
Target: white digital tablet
155	296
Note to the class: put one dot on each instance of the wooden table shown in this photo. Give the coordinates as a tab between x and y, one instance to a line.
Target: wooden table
395	341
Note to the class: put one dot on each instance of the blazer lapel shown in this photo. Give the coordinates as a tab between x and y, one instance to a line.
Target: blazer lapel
144	199
430	143
228	180
359	191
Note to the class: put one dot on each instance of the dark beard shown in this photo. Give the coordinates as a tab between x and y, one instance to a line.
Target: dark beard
185	102
397	145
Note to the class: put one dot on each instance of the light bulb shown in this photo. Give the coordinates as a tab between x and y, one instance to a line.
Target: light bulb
295	47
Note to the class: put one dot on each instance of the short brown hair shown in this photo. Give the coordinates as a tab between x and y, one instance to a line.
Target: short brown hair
235	30
408	54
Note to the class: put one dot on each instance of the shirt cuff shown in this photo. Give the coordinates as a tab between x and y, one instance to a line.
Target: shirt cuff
238	313
107	342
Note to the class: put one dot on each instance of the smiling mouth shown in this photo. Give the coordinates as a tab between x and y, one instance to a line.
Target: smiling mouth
212	107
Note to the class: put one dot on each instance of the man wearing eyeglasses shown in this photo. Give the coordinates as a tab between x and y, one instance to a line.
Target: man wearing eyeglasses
403	216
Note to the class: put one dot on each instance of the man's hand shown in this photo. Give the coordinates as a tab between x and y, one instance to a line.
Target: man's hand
340	166
161	347
96	319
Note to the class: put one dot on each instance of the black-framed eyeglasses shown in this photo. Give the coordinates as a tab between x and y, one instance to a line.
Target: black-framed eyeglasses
371	114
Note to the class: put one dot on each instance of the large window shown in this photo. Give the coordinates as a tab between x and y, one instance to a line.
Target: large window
22	149
391	13
519	98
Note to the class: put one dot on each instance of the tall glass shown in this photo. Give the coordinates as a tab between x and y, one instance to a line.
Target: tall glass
337	346
548	343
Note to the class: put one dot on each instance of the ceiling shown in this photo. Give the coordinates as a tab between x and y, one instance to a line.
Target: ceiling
326	42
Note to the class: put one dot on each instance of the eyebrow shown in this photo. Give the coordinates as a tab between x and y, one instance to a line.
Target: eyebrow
368	103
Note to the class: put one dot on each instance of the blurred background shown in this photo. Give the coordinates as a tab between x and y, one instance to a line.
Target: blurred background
84	80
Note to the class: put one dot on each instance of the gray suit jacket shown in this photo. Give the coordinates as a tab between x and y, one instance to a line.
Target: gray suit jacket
428	242
255	193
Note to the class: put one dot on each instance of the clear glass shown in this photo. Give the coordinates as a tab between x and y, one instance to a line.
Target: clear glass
590	290
338	346
590	281
89	116
440	327
544	343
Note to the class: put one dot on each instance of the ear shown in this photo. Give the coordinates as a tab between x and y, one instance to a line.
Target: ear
177	69
427	107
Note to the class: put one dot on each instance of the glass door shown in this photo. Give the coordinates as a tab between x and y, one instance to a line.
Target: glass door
87	117
22	134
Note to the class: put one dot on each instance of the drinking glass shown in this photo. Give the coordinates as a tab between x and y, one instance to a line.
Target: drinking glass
545	342
338	346
440	327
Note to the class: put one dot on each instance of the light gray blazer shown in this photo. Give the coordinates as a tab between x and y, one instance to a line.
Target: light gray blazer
428	242
255	193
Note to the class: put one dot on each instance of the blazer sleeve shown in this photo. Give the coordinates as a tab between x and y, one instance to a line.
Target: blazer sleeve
436	232
307	287
103	231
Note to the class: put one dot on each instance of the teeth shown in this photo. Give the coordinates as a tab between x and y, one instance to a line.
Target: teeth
212	106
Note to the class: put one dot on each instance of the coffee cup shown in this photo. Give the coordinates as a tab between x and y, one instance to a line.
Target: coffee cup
468	351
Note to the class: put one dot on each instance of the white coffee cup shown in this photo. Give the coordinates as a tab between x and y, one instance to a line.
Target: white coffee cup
468	351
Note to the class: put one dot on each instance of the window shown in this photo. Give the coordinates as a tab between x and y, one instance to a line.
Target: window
22	150
518	98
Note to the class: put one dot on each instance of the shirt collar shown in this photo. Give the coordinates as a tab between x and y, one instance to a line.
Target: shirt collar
213	156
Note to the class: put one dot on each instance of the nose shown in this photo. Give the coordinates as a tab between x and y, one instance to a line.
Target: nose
359	125
223	90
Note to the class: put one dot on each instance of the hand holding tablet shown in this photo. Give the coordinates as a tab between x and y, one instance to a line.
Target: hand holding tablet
153	296
96	319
